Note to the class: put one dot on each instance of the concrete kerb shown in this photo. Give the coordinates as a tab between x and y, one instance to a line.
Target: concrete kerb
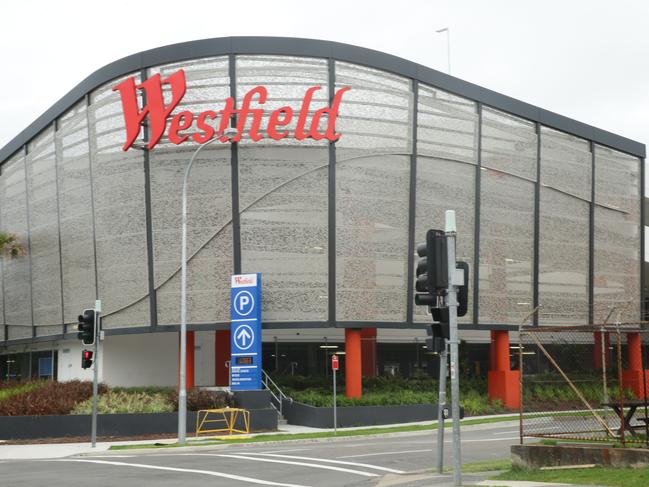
60	450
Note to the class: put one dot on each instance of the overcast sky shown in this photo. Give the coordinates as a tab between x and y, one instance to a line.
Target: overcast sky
588	60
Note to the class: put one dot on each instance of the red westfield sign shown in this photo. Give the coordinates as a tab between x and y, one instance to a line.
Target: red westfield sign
158	113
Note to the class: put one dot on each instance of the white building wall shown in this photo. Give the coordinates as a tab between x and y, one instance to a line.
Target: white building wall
69	361
149	359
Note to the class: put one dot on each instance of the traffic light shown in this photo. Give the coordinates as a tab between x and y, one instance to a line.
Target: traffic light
86	359
432	269
87	327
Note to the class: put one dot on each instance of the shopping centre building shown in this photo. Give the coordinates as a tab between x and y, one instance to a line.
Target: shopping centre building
327	180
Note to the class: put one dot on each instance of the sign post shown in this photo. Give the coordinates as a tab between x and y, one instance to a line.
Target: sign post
245	312
334	368
454	280
95	374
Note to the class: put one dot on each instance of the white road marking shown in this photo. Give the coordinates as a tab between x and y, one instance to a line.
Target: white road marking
365	465
386	453
292	449
506	432
183	470
285	462
111	456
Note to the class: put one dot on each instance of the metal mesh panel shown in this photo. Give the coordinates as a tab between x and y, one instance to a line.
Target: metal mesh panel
444	185
283	203
287	80
563	258
372	238
375	115
120	225
508	144
75	211
13	208
578	383
44	233
447	126
506	247
617	234
566	163
209	211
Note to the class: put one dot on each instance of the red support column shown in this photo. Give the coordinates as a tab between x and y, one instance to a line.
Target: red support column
632	378
353	361
368	351
221	356
502	382
597	350
189	367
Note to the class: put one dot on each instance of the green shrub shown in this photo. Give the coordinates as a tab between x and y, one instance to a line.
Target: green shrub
18	388
114	402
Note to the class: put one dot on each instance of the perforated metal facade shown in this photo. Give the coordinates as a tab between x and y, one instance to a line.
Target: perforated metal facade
548	209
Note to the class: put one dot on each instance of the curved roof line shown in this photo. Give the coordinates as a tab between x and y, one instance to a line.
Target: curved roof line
289	46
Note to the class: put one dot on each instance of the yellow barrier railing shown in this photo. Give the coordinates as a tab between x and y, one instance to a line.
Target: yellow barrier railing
226	417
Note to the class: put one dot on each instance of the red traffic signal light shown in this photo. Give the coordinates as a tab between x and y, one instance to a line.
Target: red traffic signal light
86	359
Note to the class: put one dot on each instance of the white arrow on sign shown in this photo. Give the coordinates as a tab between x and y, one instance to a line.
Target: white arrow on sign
244	337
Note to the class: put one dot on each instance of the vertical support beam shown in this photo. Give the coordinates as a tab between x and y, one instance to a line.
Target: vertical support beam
353	363
633	376
189	360
368	352
500	346
503	384
412	208
92	150
234	174
221	356
476	222
537	225
643	296
2	267
29	242
331	210
591	240
153	296
58	150
634	347
597	350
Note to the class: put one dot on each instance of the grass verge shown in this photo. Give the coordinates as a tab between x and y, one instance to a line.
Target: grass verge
309	436
484	466
613	477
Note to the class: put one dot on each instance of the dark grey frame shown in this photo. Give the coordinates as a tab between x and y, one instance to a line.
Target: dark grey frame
332	51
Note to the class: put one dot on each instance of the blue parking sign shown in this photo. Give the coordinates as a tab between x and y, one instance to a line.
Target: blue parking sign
245	332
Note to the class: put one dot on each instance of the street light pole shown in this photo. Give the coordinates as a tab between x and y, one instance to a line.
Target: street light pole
182	390
448	45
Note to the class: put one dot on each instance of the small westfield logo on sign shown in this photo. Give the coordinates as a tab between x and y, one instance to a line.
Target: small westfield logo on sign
158	112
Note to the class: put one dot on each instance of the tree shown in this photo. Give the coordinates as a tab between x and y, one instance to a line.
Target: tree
10	245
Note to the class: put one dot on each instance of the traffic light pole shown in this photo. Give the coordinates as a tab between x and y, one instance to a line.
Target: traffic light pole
450	230
95	375
441	403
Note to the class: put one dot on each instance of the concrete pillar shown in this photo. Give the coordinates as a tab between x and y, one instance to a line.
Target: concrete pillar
502	382
633	377
190	359
221	356
353	363
368	351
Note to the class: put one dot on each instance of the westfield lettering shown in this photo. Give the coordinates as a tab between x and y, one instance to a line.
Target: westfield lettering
158	113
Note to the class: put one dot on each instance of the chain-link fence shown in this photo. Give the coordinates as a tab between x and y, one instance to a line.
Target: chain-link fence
584	383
